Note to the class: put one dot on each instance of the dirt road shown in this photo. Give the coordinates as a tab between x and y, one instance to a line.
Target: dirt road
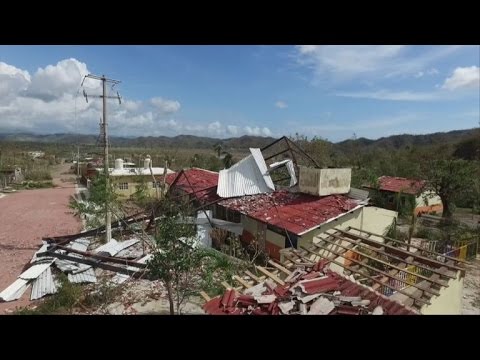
26	217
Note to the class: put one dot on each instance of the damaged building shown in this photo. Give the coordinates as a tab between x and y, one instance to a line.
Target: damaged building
310	202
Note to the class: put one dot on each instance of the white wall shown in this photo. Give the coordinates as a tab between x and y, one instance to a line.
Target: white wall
449	302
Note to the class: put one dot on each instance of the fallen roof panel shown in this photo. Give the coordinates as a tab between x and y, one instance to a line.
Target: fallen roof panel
247	177
87	276
113	247
43	285
15	290
35	270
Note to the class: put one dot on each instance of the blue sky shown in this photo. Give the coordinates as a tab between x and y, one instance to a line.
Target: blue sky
225	91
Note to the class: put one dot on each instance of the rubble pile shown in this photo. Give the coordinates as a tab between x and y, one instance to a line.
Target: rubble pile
316	292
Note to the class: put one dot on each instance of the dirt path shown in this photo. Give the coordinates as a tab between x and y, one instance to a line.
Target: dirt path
471	289
26	217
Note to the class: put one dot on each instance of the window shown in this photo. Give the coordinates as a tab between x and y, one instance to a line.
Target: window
291	240
233	216
123	186
390	199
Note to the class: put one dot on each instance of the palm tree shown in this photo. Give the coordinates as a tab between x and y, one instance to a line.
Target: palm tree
227	159
218	149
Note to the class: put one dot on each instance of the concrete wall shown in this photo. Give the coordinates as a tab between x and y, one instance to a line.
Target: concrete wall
323	182
449	302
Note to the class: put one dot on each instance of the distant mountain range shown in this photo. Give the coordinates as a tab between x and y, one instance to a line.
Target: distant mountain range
402	141
244	142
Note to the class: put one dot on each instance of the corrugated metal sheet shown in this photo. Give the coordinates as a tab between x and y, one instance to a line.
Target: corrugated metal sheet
66	265
262	166
247	177
43	285
15	290
35	270
199	182
203	230
358	194
295	212
80	244
398	184
121	278
113	247
87	276
290	168
43	248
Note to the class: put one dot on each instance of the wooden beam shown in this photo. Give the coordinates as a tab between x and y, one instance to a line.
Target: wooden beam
434	292
241	281
405	252
373	279
270	275
253	276
94	263
227	285
386	263
279	267
205	296
414	246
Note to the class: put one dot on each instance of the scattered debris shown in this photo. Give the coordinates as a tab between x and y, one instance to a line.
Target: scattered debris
319	291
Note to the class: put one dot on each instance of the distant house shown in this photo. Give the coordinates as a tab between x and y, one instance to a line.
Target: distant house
127	180
396	192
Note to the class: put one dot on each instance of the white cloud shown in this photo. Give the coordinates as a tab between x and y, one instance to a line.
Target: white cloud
266	131
54	81
419	74
215	128
393	95
281	104
232	130
463	78
257	131
12	80
345	62
165	105
50	102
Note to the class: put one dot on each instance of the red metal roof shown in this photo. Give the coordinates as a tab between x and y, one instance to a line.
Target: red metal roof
199	182
233	303
398	184
296	212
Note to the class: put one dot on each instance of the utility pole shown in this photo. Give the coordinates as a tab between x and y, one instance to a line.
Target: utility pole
104	80
78	163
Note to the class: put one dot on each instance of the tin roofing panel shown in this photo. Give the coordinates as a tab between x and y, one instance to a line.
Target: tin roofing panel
15	290
296	212
87	276
247	177
43	285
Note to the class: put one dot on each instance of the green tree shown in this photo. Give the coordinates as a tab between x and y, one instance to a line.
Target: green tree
175	260
449	179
